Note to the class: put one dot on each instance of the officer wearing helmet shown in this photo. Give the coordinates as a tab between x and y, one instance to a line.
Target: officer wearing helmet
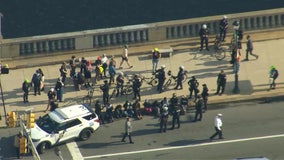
26	88
204	33
180	77
223	25
161	78
164	118
119	84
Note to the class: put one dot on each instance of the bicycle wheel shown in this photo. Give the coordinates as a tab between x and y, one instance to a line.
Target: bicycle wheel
167	84
220	54
128	89
154	82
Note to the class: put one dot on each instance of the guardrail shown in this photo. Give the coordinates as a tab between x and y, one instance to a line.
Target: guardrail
135	34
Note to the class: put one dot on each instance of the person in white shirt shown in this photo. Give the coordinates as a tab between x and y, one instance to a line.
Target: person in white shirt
218	127
124	57
104	63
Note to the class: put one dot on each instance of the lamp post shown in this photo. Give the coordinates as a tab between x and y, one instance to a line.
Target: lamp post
236	63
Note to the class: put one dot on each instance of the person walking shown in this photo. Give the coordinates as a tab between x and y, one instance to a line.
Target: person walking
161	78
155	59
36	82
180	77
205	95
26	88
124	57
204	34
128	131
198	108
221	82
273	75
223	25
193	87
218	124
249	49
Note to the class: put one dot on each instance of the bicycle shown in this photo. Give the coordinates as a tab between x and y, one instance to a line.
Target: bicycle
127	88
153	80
174	78
89	97
219	50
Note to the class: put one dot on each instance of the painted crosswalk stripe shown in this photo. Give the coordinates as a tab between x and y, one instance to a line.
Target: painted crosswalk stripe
74	150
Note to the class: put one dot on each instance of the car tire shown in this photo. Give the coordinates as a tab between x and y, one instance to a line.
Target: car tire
42	147
85	134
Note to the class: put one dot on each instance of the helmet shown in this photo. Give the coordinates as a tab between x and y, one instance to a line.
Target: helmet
272	67
163	66
181	67
51	89
225	17
219	115
204	26
121	73
27	81
156	49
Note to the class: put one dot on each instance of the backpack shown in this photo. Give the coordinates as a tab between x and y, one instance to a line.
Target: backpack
275	75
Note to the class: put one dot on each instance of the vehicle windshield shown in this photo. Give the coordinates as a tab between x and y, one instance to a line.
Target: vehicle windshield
47	124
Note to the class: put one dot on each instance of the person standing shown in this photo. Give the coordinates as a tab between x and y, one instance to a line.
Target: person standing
249	49
105	89
119	84
193	87
72	64
183	104
128	130
173	103
164	119
36	82
155	59
223	28
161	78
63	72
104	64
205	95
273	75
176	116
218	127
221	82
98	111
137	83
88	74
83	64
59	89
41	79
198	108
180	77
204	34
111	70
124	57
26	88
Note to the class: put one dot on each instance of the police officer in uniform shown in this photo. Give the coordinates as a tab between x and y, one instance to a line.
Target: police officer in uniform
205	95
204	33
173	103
198	108
105	89
136	87
161	78
193	86
164	118
176	116
223	28
180	77
221	82
119	84
98	111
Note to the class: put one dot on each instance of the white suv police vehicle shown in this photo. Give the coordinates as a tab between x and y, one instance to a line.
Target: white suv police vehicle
76	121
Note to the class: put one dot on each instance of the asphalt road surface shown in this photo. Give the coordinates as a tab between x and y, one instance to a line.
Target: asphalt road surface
250	129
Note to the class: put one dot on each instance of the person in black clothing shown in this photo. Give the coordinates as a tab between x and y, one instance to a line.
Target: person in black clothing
183	104
26	88
221	82
98	111
53	106
72	64
193	86
161	78
180	77
173	103
136	87
198	108
223	25
83	64
105	89
59	89
119	84
203	33
78	80
205	95
36	81
51	97
176	116
63	72
164	119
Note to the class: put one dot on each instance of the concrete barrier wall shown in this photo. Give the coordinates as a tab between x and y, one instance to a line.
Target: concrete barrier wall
135	34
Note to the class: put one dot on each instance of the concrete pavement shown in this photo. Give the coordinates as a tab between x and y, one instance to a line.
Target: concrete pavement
253	75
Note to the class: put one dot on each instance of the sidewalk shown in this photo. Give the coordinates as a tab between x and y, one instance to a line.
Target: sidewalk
253	75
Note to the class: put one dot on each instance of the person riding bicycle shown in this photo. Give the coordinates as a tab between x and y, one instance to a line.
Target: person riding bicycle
161	78
119	84
180	77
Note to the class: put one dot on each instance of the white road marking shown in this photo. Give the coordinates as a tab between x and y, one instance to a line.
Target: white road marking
186	146
74	150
